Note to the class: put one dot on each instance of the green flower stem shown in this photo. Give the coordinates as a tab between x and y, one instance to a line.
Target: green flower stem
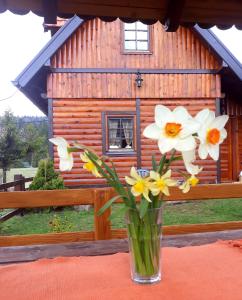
144	237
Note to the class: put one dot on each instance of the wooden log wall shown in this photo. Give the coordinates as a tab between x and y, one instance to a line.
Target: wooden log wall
231	149
80	98
98	44
80	121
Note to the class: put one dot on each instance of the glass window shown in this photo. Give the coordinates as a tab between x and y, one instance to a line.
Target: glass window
136	37
120	133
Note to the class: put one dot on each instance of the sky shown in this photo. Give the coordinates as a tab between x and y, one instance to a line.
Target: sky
22	37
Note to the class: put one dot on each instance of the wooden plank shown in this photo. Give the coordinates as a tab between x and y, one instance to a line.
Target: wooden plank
10	214
86	196
33	252
46	198
185	229
49	238
102	223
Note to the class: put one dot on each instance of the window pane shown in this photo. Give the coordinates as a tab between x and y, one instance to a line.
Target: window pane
129	25
130	45
142	26
142	45
120	134
129	35
142	35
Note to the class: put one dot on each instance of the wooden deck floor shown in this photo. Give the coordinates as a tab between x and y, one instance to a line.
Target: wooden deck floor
30	253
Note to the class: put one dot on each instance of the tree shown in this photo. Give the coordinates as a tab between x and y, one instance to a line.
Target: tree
11	146
35	139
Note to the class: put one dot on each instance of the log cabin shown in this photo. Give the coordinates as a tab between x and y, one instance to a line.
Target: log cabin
99	82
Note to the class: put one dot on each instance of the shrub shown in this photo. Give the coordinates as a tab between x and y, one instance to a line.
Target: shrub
46	177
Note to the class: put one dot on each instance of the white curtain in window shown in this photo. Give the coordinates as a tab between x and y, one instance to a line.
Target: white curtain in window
128	131
113	132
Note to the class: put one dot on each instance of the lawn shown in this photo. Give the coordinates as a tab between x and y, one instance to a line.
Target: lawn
68	219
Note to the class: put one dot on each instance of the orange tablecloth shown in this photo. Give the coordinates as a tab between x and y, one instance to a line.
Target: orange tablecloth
211	272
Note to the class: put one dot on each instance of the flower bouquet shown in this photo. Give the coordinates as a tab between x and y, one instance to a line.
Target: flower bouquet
178	135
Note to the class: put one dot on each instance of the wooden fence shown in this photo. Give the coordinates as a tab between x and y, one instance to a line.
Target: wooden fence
19	185
102	226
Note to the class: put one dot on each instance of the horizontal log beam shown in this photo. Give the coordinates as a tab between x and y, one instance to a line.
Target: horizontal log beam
133	71
48	238
187	229
70	197
34	252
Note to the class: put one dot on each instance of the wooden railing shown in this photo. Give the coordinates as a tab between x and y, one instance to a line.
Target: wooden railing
18	183
102	226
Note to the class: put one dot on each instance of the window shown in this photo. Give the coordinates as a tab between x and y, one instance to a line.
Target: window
119	137
136	37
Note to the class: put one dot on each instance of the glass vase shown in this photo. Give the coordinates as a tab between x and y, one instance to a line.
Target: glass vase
144	237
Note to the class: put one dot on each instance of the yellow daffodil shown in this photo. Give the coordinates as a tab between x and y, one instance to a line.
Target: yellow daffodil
173	129
161	183
211	133
66	158
191	181
89	165
140	185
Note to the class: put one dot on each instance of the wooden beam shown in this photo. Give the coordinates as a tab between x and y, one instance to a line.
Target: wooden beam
48	238
187	229
34	252
72	197
173	15
50	11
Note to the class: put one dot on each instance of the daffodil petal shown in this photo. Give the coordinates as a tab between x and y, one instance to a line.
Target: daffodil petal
66	164
188	158
167	174
186	144
134	173
181	114
170	182
152	131
202	151
202	115
214	151
134	192
146	195
219	122
165	191
162	115
166	145
154	175
189	127
129	180
223	133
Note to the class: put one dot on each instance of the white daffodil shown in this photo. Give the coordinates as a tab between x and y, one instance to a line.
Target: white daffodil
161	183
140	185
189	157
66	158
190	182
211	133
89	165
173	129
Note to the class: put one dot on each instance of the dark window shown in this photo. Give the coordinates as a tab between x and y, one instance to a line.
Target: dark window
120	133
136	37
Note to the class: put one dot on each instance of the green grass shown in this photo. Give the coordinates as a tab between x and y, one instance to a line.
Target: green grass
194	212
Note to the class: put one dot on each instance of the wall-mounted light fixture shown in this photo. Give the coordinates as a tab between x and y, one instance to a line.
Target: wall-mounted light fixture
138	79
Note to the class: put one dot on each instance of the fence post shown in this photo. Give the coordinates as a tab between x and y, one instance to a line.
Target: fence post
21	185
102	224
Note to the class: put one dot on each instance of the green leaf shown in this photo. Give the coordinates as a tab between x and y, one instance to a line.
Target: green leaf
174	159
107	205
161	163
154	164
144	204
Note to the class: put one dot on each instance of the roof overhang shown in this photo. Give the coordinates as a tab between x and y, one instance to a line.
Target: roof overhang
171	13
